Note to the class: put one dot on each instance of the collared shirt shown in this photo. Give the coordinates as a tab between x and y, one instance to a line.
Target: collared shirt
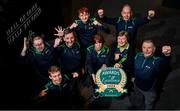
130	26
58	90
146	71
121	49
96	60
86	31
126	57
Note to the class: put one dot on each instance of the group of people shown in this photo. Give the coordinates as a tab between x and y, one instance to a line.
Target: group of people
79	52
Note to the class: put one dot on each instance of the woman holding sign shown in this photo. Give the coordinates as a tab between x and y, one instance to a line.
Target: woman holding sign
97	56
123	56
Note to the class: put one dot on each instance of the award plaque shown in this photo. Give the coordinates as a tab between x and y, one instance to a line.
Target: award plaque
111	82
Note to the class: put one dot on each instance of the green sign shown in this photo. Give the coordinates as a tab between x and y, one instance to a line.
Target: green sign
111	82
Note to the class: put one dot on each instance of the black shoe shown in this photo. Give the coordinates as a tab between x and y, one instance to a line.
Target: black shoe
96	95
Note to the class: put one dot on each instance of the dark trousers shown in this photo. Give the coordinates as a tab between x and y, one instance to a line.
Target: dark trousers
143	99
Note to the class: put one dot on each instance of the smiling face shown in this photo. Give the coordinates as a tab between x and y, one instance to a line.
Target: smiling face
122	40
69	39
56	77
126	12
84	16
148	48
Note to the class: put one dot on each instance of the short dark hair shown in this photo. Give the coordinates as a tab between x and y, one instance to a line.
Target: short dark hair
35	35
149	40
67	31
53	69
83	9
98	38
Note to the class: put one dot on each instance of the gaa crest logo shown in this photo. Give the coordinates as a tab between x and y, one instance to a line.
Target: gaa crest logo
111	82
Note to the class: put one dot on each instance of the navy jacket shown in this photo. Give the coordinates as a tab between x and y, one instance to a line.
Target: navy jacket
130	26
126	58
40	61
147	70
70	59
57	90
58	96
86	31
95	60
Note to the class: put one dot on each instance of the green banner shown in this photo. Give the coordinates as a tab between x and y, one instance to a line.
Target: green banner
111	82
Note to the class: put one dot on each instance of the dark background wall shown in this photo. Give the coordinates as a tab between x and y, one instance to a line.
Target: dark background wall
15	82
